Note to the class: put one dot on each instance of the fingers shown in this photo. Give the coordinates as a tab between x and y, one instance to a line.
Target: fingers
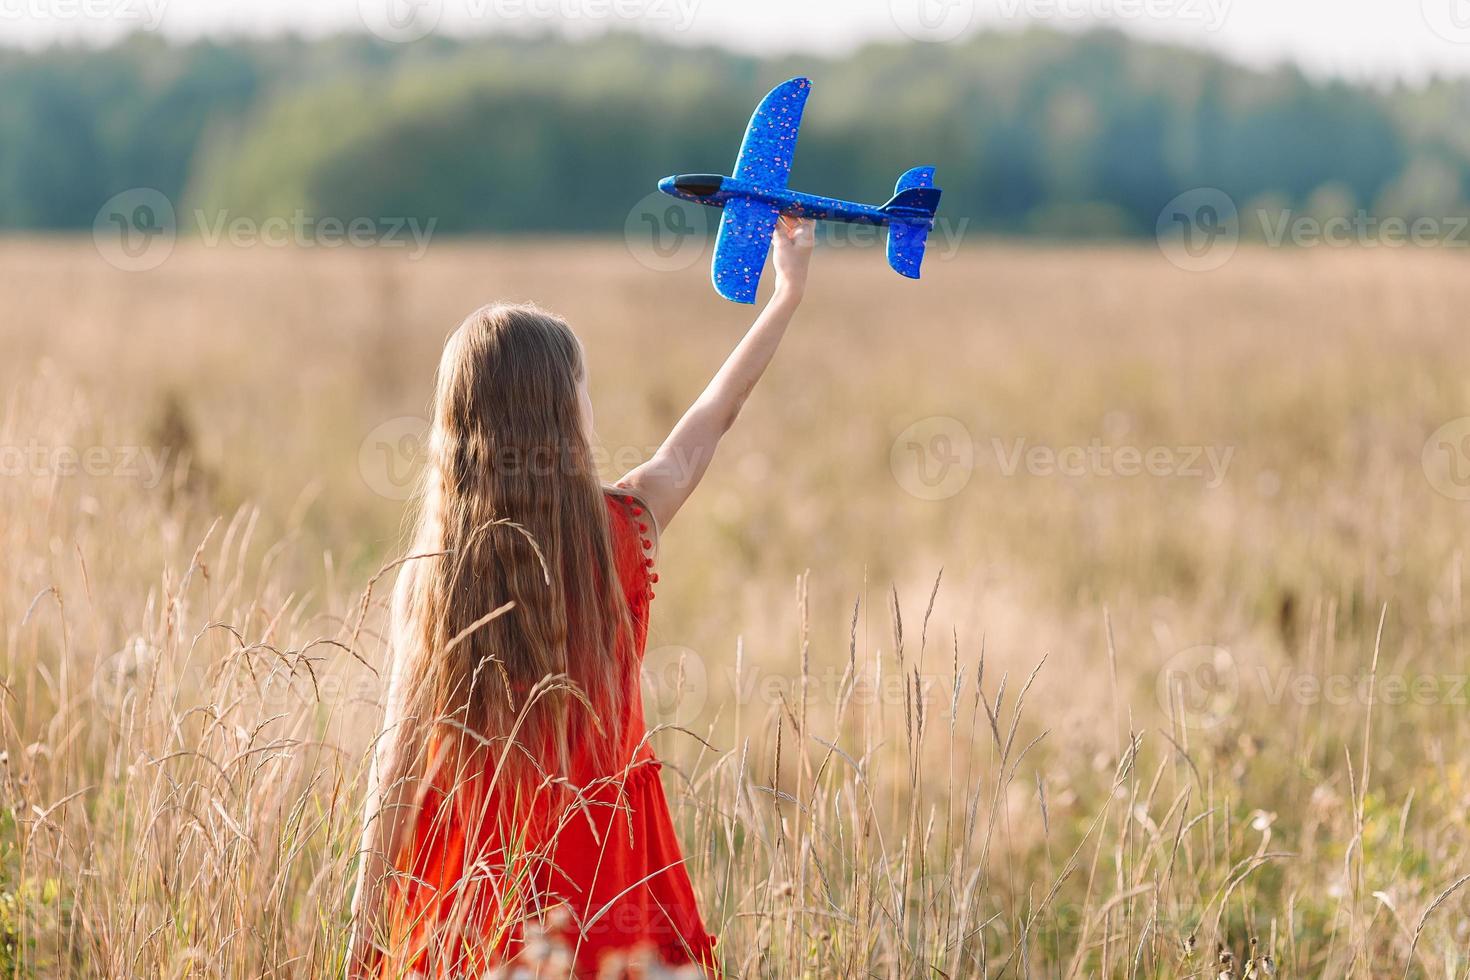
796	229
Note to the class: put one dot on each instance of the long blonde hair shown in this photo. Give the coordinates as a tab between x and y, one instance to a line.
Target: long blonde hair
512	512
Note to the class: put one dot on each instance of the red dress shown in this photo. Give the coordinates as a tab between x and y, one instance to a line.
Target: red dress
608	879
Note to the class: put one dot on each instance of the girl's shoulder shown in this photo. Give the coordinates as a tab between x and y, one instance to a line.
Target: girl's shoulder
631	519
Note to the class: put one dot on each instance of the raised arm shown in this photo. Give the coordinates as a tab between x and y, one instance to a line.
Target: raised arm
671	475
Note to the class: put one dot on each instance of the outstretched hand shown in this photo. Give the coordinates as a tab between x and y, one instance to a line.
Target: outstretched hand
791	253
666	480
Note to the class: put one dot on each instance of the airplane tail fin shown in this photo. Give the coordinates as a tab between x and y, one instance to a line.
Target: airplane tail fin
915	200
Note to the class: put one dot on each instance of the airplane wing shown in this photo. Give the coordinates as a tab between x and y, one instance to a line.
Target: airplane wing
770	139
765	160
741	247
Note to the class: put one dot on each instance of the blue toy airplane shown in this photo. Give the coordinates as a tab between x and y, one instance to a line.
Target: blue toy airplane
757	193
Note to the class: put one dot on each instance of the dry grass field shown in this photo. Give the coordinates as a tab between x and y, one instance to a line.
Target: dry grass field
1067	614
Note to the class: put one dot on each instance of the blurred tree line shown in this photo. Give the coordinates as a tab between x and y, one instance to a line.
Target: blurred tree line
1033	133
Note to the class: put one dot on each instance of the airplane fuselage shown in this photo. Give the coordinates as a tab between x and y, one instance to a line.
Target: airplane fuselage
715	190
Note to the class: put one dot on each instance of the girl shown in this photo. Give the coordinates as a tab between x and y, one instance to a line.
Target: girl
515	811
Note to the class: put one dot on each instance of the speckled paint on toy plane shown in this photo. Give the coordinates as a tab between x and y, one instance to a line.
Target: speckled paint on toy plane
755	195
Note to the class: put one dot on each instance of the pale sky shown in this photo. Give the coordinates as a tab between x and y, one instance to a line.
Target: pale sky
1358	39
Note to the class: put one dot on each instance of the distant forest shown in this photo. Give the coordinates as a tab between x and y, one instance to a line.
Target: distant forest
1040	133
